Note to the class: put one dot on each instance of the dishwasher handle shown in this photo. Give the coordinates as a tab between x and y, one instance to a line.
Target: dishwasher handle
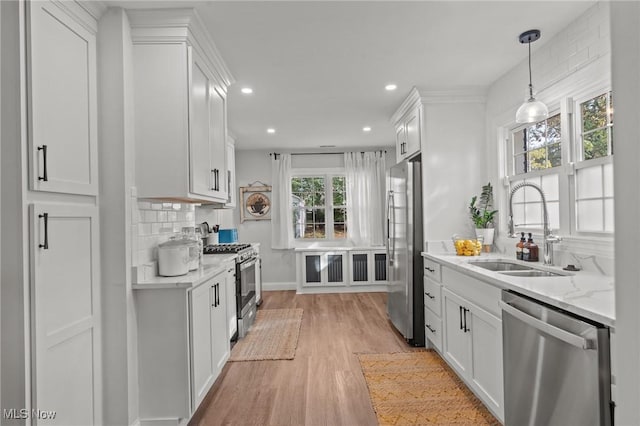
558	333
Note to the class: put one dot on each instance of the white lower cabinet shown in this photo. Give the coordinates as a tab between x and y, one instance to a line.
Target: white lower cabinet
183	344
232	308
473	347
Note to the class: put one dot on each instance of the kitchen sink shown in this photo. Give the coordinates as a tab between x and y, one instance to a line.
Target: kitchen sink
532	273
501	265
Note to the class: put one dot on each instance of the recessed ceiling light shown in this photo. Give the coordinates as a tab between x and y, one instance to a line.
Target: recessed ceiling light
366	129
247	90
271	130
390	87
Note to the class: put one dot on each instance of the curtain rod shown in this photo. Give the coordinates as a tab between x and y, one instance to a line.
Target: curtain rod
323	153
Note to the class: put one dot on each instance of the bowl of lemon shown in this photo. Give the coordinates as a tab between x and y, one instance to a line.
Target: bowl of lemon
467	246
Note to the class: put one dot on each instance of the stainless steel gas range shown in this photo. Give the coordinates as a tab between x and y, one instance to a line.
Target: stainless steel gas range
246	264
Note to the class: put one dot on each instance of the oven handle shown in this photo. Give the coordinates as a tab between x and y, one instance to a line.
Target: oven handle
248	263
558	333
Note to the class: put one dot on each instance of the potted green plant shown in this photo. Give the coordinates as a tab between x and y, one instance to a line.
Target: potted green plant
482	214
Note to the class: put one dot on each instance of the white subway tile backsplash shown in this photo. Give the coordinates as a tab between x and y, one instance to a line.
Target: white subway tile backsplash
149	216
167	206
172	216
144	205
162	216
177	206
156	206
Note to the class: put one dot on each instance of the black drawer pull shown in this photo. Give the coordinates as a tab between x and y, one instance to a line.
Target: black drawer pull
44	176
429	269
430	296
46	231
433	330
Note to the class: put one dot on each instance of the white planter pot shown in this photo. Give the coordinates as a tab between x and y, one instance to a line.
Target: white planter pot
486	234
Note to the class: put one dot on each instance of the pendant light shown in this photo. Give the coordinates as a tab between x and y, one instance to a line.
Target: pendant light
531	110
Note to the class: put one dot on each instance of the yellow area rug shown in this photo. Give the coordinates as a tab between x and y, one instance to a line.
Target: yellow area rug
418	388
274	335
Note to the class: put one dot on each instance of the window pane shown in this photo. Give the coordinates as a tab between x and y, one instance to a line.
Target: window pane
338	183
536	135
319	216
595	144
318	199
538	159
553	129
319	230
318	184
308	231
519	142
555	155
339	215
338	199
589	214
309	216
340	230
520	165
589	182
594	113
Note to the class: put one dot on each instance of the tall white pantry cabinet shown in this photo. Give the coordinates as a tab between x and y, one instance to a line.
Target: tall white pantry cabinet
56	169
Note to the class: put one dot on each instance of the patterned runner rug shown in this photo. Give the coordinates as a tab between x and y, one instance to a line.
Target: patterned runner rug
418	388
274	335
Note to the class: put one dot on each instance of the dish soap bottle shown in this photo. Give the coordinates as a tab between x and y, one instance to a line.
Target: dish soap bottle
533	249
525	250
520	247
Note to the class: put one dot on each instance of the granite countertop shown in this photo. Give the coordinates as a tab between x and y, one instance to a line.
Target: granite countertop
211	266
587	294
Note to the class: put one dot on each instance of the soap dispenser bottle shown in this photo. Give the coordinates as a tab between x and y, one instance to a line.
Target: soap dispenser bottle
520	247
533	249
526	254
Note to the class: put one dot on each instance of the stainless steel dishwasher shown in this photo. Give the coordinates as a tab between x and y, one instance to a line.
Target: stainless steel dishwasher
557	368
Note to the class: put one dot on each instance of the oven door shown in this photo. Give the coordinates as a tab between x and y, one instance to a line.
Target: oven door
246	284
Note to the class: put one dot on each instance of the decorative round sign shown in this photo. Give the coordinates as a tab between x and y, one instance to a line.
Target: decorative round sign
258	204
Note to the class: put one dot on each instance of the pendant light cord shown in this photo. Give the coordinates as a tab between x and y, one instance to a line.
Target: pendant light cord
530	84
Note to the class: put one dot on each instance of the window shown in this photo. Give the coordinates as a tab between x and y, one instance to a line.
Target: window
319	207
537	146
574	169
596	119
594	173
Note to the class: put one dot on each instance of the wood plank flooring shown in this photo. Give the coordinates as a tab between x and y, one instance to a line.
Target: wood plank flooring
323	385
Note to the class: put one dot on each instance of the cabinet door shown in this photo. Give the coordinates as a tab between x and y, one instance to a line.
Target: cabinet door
360	269
231	174
231	305
219	328
336	269
62	105
413	132
456	340
65	286
401	142
486	358
201	172
218	142
312	269
379	272
202	365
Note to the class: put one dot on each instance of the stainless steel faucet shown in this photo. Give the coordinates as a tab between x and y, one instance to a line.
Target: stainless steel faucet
549	238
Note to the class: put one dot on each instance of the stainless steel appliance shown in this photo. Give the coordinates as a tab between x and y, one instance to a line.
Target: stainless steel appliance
246	262
556	366
405	302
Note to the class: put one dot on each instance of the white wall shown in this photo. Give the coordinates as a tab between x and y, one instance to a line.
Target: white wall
576	59
625	24
278	266
117	171
14	243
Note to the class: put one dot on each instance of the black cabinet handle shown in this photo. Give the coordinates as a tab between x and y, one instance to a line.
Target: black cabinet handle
44	176
465	310
45	216
460	312
218	295
433	330
430	296
213	180
429	269
217	180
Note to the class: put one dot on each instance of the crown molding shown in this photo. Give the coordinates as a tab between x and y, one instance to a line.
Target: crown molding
419	96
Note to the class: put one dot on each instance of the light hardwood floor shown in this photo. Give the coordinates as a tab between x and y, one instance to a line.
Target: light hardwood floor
323	385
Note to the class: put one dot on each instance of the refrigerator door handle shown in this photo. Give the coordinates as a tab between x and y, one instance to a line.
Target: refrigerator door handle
391	252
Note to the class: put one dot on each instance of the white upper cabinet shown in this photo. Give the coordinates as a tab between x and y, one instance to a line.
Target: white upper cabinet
61	98
180	107
408	123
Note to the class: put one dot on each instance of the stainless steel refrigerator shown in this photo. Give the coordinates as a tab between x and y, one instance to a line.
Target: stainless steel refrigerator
405	302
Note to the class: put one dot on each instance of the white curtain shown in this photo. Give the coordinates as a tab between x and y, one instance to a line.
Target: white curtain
365	176
281	216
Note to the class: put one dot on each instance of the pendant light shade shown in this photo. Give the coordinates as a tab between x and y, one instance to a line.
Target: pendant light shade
531	110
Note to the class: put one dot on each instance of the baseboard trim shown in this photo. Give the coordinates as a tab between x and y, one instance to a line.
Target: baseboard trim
163	422
375	288
279	286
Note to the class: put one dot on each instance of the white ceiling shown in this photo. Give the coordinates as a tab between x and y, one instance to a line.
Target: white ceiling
318	68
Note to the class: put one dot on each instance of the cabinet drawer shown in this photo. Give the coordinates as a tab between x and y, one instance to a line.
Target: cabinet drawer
432	270
432	295
433	328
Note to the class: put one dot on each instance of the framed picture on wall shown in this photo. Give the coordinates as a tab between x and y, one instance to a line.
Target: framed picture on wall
256	203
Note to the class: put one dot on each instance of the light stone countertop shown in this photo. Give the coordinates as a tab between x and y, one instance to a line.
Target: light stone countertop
211	266
584	293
